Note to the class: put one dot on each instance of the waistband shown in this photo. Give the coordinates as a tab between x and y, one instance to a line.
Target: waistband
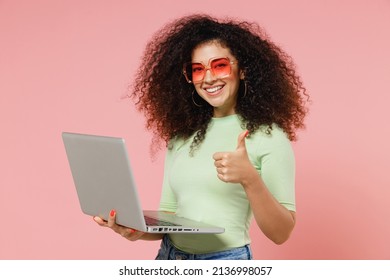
168	251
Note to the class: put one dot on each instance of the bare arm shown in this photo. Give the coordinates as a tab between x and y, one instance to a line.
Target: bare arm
274	220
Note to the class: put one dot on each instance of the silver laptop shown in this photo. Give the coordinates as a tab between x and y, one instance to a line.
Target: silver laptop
102	175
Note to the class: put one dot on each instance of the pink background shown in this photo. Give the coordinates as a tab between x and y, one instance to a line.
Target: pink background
64	66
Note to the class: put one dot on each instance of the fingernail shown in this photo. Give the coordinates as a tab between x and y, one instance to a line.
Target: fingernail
246	133
112	213
131	230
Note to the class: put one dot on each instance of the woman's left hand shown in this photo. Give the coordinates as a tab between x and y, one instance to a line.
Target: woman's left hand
128	233
235	167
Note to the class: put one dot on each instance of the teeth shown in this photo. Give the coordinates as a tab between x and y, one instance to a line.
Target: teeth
214	89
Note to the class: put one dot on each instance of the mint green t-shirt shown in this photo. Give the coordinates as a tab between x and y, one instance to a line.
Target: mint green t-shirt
192	189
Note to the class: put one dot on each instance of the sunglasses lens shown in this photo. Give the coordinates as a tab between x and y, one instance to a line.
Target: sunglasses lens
197	72
220	67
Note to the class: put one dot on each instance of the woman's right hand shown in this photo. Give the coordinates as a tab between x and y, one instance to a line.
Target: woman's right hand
128	233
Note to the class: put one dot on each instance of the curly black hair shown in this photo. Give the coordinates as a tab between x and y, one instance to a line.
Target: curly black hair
274	92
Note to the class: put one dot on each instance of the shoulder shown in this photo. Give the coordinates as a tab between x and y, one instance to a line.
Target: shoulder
265	142
274	136
176	144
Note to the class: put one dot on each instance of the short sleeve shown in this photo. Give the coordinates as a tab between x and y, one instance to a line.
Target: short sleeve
168	198
277	163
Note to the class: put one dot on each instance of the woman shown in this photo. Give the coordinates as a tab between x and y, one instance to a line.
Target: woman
227	102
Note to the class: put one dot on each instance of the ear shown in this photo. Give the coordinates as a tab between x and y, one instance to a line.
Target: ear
242	75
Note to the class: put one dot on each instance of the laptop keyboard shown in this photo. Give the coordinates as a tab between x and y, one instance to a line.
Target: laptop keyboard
154	222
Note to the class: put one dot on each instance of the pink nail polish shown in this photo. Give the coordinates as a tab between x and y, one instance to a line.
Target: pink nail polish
246	133
112	213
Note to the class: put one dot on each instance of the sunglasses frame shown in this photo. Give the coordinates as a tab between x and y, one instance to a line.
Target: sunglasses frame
207	67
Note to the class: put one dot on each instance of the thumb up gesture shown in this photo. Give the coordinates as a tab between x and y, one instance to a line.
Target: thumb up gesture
235	166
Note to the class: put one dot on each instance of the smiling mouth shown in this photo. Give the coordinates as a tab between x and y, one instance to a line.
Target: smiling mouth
213	89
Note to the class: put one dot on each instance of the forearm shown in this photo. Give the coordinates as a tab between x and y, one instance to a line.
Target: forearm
152	236
274	220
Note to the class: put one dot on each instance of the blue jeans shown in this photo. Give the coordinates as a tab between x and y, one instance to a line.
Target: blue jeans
169	252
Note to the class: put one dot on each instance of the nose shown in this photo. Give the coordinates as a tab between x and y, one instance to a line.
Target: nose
208	76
